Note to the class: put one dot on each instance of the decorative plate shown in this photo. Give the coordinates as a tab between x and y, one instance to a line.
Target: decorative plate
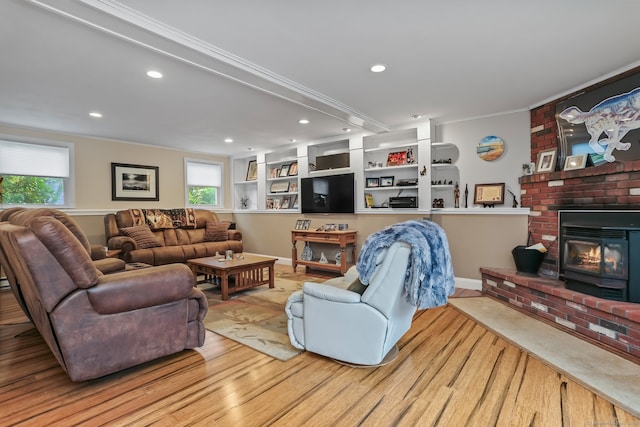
490	148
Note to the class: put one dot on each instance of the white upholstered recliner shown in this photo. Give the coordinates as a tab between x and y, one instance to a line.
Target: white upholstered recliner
405	267
359	324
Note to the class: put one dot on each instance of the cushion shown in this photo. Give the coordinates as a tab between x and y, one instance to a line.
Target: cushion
216	231
142	235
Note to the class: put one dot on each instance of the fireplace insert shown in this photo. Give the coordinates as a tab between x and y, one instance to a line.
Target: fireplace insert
596	253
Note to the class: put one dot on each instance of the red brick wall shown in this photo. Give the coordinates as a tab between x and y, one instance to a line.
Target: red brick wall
610	186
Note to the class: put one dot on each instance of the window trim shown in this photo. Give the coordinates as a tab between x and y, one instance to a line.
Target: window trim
69	183
220	192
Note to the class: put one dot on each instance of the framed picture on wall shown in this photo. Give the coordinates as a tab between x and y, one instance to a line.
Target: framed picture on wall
134	182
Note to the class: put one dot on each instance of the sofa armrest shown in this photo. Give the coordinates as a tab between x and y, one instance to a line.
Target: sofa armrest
234	235
97	252
330	293
124	243
146	287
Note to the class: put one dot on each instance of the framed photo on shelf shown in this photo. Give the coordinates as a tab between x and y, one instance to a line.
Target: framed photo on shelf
293	187
579	161
279	187
547	161
252	170
277	203
373	182
528	168
386	181
306	224
274	172
293	169
286	200
398	158
489	194
294	203
284	170
368	200
299	224
411	158
269	203
134	182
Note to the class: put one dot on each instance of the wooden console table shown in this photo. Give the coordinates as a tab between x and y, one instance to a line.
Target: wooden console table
341	238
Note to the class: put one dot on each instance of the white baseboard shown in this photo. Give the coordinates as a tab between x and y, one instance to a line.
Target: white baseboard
283	261
464	283
461	282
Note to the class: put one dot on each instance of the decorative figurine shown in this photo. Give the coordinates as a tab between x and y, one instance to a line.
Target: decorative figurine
466	195
456	196
515	201
323	259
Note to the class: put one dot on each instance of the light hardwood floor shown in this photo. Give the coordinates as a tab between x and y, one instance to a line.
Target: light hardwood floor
450	371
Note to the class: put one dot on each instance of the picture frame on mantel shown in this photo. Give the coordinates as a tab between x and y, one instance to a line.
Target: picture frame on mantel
489	194
547	161
578	161
135	182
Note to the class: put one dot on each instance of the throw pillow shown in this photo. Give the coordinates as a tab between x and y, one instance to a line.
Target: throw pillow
142	235
216	231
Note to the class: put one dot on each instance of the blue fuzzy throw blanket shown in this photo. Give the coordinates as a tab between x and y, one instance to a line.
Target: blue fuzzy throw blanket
429	280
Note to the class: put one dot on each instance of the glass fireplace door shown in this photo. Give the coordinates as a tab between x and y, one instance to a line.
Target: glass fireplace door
605	258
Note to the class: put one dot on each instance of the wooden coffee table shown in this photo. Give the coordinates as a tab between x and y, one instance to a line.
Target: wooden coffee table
248	271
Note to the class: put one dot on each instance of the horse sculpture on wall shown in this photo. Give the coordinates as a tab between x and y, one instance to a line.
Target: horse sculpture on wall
615	117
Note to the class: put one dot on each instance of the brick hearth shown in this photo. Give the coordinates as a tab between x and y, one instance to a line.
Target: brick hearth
613	325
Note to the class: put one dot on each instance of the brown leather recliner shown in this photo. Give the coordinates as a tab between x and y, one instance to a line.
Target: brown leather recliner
20	215
98	324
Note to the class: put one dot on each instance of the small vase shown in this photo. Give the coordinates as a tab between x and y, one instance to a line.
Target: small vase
307	253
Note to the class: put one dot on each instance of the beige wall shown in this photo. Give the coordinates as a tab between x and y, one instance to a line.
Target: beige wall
93	158
478	240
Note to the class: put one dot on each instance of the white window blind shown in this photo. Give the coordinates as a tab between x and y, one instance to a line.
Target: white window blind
204	174
17	158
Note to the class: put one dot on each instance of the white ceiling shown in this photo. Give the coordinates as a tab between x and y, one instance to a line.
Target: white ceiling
249	69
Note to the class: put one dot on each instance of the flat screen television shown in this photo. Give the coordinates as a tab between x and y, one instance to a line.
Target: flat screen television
328	194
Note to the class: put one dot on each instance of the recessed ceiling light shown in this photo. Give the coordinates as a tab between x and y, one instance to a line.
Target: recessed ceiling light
346	129
95	114
154	74
416	116
378	68
292	140
303	121
250	149
228	140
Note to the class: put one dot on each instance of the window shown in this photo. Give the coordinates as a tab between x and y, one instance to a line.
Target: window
204	183
36	174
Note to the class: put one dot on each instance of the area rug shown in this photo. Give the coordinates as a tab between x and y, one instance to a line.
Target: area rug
254	317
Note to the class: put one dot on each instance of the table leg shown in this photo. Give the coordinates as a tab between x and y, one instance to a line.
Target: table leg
343	260
271	275
294	256
224	285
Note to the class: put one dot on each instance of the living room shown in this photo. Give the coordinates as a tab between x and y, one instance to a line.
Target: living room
479	236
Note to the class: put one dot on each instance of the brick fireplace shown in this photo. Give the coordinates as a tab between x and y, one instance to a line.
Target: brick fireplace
614	325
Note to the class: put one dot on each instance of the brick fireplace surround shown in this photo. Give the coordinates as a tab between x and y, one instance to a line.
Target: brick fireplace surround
610	324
